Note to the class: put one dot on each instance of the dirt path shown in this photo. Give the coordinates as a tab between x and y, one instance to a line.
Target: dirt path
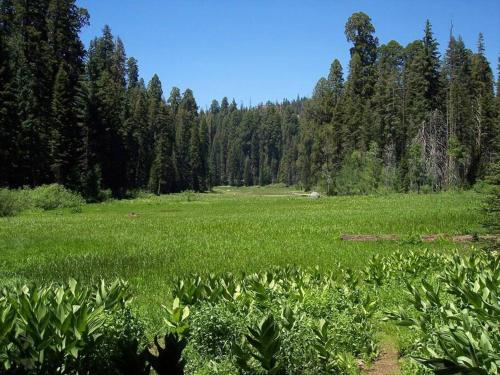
387	362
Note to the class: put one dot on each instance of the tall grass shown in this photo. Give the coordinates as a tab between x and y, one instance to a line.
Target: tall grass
151	240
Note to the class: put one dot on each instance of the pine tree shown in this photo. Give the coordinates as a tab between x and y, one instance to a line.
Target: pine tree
431	67
9	130
66	139
359	30
162	173
34	82
388	100
186	119
357	123
204	153
195	161
459	109
137	134
484	143
132	72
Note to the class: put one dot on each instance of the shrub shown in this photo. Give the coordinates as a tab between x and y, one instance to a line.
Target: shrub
9	203
51	197
51	329
120	349
265	322
456	317
45	197
214	328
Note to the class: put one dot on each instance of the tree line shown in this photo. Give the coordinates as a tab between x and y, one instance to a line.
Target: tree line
402	118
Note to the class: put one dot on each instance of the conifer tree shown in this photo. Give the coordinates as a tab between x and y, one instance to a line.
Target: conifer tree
360	84
459	109
186	119
204	149
485	133
66	139
162	174
388	100
9	131
197	178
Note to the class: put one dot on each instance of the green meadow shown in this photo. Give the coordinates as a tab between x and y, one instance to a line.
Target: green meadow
152	240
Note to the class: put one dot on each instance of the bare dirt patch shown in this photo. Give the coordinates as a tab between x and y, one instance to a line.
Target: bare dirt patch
387	362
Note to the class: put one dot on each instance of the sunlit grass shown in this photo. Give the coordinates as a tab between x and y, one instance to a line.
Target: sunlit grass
150	241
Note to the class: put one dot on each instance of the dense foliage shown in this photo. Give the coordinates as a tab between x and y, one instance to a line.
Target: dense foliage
281	321
491	207
64	328
285	321
403	118
456	317
43	197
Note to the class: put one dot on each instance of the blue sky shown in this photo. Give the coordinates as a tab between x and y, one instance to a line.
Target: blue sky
258	50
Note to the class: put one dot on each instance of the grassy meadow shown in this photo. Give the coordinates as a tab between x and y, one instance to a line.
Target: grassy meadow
149	241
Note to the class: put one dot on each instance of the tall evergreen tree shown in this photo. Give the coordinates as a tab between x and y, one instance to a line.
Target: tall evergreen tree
9	131
360	84
459	109
186	119
388	101
485	131
66	144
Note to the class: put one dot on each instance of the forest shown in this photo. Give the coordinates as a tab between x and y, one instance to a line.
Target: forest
397	118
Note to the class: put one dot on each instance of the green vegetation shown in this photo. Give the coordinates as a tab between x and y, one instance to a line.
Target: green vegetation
299	299
400	118
492	202
44	197
243	279
455	316
66	329
285	320
149	241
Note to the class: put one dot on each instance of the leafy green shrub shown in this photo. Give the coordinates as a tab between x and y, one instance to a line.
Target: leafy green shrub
51	197
214	329
9	203
51	329
457	317
264	344
265	322
45	197
120	349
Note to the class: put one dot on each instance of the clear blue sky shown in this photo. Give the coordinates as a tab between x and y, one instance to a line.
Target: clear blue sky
263	50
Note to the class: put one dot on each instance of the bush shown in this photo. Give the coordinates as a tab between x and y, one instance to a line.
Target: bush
456	317
267	323
9	203
51	197
120	349
52	329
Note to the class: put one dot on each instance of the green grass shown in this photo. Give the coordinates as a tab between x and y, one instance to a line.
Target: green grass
232	229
